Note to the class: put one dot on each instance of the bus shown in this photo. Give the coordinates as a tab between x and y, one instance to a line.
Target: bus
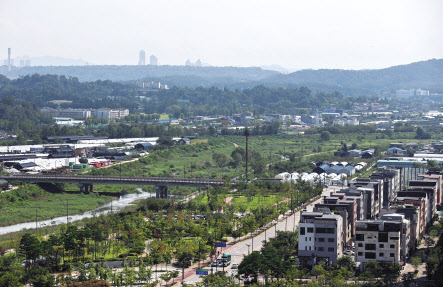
226	259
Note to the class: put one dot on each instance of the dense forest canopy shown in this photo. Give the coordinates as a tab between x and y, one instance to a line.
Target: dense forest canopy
179	102
40	89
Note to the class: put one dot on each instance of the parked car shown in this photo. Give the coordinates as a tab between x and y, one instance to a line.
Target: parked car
234	266
214	264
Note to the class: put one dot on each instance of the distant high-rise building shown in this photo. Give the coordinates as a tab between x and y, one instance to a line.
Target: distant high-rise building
27	63
198	63
22	63
9	59
142	58
153	60
188	63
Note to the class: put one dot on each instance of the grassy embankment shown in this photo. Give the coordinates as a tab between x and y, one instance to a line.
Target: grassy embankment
19	205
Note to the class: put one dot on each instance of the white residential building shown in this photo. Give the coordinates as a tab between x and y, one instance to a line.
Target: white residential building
385	240
111	114
320	235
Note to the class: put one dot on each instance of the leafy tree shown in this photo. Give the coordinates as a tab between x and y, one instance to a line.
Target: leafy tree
318	270
219	279
325	136
416	262
220	159
373	270
251	265
345	262
10	279
30	247
392	274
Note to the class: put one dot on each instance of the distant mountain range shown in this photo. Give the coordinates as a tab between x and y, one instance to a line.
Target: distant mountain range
424	75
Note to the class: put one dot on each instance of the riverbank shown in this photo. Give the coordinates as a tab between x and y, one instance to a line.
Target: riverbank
29	201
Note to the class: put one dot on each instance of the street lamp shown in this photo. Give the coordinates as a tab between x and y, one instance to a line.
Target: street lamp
248	247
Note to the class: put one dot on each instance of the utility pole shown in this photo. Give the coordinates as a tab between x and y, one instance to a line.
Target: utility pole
67	211
36	219
246	134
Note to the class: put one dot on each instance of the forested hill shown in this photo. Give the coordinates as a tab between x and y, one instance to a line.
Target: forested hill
191	76
40	89
425	75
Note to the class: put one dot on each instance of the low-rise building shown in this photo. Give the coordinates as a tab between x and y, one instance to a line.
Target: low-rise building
385	240
436	177
320	235
341	206
111	114
391	183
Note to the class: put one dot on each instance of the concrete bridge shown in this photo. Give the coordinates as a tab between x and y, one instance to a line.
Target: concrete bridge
86	182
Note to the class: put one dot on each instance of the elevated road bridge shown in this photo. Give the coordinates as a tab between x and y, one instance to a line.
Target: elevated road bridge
86	182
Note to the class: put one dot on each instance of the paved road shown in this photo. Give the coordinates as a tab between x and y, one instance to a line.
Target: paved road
240	249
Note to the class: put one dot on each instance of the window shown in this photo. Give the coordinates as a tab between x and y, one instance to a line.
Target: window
360	253
360	245
392	246
394	238
381	245
306	247
370	246
306	239
370	255
310	229
360	237
325	230
381	254
383	237
331	240
330	249
392	255
321	240
302	231
321	249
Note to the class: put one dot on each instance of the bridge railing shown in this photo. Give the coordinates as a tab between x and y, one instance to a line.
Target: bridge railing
116	178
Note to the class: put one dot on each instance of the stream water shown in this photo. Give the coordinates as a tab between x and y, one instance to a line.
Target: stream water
114	206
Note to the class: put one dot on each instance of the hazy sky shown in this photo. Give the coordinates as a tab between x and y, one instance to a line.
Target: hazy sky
295	34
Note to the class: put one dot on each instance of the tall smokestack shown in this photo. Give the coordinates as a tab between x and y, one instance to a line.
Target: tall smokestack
9	59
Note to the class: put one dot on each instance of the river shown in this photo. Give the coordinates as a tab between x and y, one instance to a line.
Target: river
115	205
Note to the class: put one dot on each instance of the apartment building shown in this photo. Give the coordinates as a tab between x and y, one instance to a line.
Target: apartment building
374	199
111	114
347	208
391	178
71	113
415	215
385	240
320	235
433	177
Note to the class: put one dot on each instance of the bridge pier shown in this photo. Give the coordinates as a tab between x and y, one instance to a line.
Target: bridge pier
86	187
161	191
81	186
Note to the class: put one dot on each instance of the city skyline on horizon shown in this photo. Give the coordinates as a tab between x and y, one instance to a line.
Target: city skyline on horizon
292	34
